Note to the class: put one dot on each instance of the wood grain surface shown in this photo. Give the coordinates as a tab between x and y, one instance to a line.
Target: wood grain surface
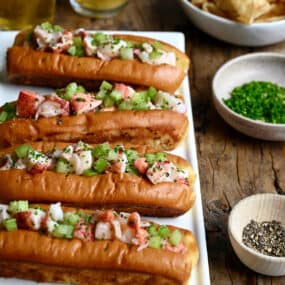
232	165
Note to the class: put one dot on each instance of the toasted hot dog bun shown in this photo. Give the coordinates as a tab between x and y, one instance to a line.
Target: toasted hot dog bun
29	255
26	65
126	192
160	129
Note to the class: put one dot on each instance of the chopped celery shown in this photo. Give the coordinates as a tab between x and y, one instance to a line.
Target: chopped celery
47	26
70	91
18	206
80	89
105	85
150	158
99	39
79	51
63	231
108	101
129	44
77	41
157	45
100	165
89	172
22	150
101	150
72	50
155	54
57	28
125	105
77	47
151	93
155	242
101	95
175	238
10	110
51	28
140	106
62	166
163	231
152	230
116	95
160	156
3	116
131	154
71	218
10	224
127	53
139	101
139	97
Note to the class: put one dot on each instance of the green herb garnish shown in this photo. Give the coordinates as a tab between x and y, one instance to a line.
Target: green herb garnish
259	100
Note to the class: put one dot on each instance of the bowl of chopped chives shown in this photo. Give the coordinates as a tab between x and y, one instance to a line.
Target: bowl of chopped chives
256	229
249	94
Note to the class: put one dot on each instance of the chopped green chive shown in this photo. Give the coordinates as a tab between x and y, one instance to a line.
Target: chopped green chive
22	151
18	206
259	100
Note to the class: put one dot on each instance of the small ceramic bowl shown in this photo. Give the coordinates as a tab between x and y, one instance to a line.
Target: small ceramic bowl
243	69
257	34
260	207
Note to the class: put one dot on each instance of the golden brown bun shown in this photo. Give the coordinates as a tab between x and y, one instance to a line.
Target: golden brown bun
28	66
161	129
51	273
22	253
125	192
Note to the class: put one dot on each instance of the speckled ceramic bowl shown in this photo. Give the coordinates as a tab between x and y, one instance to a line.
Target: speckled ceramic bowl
258	34
243	69
260	207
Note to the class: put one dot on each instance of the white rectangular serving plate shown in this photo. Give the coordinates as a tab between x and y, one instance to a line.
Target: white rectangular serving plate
192	220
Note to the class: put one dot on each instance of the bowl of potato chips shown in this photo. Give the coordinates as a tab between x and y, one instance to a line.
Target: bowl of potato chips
240	22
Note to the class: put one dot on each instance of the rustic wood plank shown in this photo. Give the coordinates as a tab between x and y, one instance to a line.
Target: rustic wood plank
232	166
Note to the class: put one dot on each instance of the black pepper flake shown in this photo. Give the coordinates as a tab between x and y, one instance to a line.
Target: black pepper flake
265	237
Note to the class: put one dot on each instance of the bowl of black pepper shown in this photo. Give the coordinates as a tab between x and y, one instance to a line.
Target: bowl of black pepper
256	228
249	94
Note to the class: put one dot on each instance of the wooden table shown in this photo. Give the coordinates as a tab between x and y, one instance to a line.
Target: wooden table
232	166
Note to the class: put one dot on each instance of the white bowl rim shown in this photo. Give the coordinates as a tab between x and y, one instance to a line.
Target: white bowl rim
228	21
243	246
233	61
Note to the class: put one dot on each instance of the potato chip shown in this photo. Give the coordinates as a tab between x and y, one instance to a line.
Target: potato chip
245	11
213	9
199	3
276	13
240	10
260	7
